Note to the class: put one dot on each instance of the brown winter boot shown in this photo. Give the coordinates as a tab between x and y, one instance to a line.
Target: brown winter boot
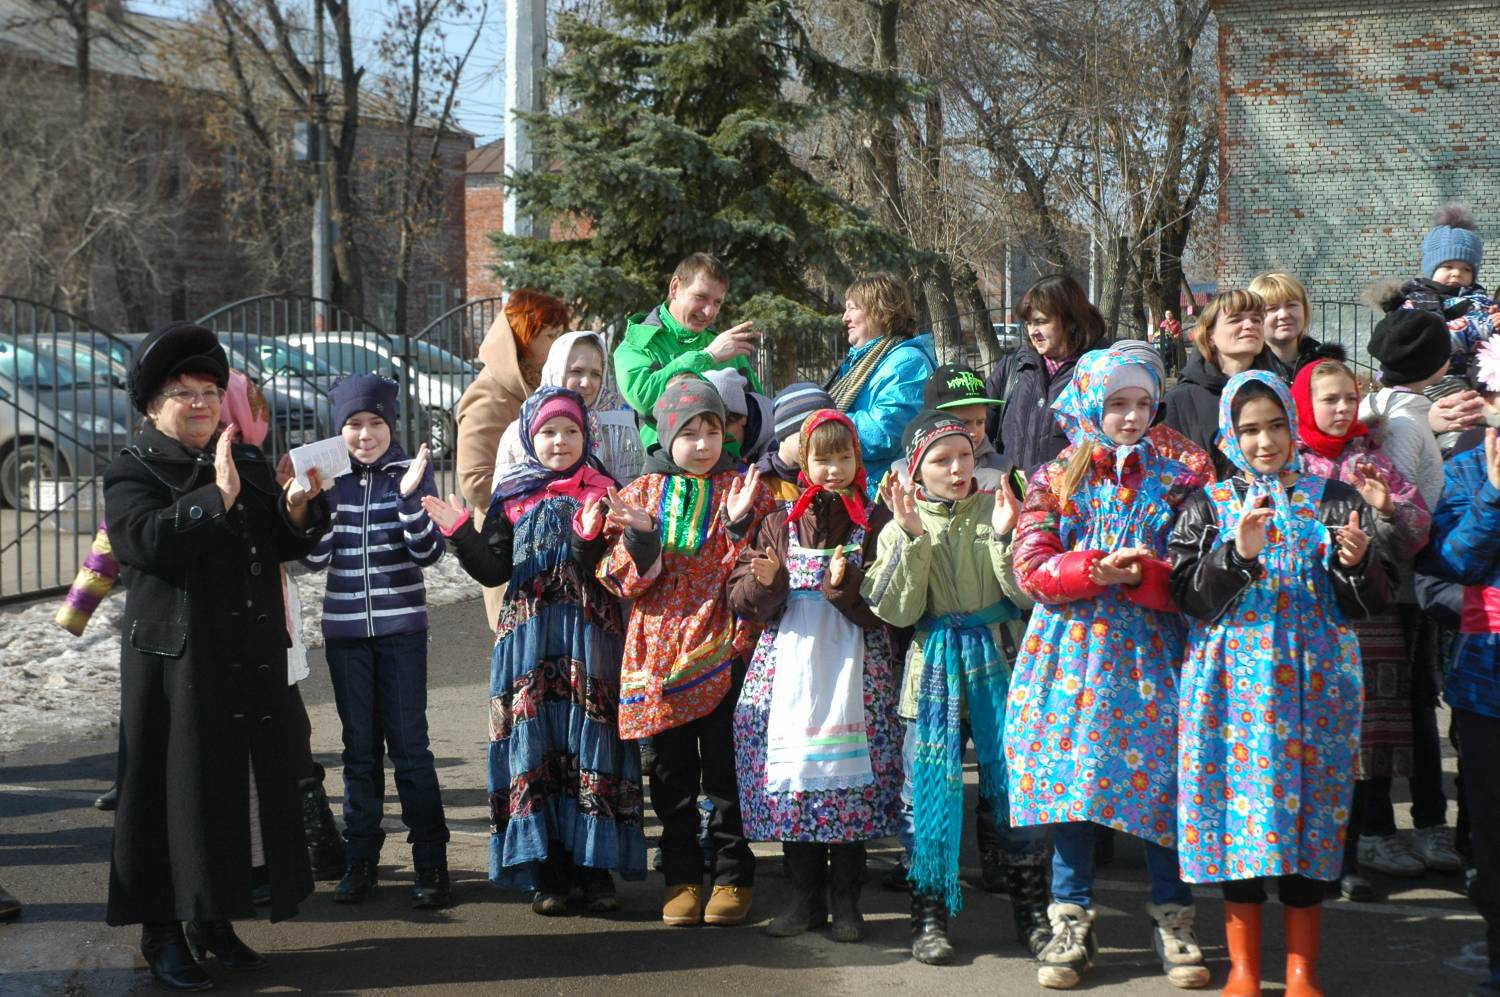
1242	931
1303	927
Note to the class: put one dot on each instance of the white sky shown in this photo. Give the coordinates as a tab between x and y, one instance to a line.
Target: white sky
480	97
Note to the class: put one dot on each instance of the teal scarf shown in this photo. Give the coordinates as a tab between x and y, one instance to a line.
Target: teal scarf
958	649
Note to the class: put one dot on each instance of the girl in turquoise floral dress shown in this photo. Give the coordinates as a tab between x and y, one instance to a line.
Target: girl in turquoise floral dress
1091	725
1272	564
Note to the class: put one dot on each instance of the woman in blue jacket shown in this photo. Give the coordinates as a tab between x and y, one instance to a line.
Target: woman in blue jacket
879	384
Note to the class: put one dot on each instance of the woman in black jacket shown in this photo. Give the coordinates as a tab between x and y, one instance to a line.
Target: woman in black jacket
1061	326
199	527
1229	338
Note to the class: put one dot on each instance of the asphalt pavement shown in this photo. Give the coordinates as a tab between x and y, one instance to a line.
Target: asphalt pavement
1424	938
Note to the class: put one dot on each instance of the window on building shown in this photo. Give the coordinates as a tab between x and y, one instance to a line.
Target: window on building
437	299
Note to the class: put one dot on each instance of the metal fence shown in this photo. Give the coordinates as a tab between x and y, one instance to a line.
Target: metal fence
64	412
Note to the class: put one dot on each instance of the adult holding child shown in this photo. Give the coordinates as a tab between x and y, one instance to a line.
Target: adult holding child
199	526
676	338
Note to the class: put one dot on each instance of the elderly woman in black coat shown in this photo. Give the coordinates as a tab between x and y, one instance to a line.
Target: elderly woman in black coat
199	527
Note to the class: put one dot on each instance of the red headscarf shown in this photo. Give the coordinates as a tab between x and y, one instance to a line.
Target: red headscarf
853	496
1307	424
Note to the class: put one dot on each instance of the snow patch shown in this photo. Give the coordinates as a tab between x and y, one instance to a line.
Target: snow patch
54	686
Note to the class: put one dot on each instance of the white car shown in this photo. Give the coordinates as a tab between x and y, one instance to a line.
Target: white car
435	381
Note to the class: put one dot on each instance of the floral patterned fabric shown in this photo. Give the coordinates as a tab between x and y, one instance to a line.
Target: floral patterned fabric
1270	693
830	816
559	774
682	638
1091	723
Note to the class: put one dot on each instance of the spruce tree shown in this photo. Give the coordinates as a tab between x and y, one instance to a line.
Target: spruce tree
674	133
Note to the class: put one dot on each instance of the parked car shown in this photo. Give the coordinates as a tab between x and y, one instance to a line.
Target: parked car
62	419
294	383
433	387
1008	334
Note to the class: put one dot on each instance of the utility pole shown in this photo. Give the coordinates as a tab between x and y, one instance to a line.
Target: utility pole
525	57
322	275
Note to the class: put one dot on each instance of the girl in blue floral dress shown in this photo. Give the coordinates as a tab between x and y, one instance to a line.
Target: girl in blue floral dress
817	738
1091	725
1272	564
565	797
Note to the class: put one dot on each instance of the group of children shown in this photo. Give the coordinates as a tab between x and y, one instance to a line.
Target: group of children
1127	644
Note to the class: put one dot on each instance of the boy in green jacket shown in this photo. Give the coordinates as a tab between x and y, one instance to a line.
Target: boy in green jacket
675	337
943	564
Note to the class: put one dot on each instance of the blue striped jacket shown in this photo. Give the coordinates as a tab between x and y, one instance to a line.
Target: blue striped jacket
375	553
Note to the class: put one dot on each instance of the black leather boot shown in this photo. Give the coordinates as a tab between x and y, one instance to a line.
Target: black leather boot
109	800
929	930
806	869
432	889
1026	882
846	874
219	938
360	877
166	953
325	848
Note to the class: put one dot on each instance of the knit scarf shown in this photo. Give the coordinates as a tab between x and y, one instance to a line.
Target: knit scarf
959	649
847	387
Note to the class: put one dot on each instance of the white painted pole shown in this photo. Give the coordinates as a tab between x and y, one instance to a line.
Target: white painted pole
525	57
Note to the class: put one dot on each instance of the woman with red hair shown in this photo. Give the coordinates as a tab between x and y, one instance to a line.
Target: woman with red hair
512	353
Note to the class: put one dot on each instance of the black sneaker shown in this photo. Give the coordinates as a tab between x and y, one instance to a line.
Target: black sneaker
432	889
360	877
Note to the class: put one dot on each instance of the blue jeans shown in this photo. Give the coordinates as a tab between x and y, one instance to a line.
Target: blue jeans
1011	840
380	688
1073	868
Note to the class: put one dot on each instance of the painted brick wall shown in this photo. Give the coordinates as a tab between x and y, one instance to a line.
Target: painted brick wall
1344	126
484	214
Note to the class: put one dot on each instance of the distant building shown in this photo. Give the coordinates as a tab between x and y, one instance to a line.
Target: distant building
201	267
1344	126
484	215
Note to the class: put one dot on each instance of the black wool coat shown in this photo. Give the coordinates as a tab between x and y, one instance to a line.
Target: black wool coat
203	681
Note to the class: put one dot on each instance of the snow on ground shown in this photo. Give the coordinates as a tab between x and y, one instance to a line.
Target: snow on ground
54	685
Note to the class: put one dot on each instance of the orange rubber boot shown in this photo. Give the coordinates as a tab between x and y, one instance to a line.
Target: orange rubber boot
1303	927
1242	930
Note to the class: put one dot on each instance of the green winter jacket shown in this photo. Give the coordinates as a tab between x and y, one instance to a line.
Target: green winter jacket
957	566
656	348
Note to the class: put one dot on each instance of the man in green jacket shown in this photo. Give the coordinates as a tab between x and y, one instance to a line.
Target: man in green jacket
675	338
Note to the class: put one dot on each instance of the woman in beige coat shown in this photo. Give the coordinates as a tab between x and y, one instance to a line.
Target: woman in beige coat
512	355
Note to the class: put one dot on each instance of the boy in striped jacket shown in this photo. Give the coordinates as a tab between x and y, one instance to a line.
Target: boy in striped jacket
375	625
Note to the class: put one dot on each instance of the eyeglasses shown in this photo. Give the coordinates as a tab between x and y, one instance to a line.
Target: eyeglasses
213	396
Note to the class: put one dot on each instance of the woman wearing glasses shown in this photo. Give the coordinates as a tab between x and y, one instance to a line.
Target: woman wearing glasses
208	787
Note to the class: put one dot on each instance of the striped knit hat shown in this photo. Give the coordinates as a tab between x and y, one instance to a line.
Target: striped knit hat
926	429
794	403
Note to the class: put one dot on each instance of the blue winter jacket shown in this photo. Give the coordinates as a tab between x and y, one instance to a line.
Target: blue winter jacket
1465	550
375	553
889	401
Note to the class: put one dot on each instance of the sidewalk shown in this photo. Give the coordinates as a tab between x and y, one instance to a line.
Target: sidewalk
54	857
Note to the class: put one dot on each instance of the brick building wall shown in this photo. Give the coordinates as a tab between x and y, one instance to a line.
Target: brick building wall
1344	126
484	214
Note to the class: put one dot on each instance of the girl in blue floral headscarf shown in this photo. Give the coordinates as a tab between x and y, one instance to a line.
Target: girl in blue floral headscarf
1272	564
1091	725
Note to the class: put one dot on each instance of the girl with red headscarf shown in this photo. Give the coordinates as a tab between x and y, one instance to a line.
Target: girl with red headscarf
1333	443
817	741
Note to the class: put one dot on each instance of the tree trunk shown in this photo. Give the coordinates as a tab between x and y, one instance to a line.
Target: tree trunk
984	327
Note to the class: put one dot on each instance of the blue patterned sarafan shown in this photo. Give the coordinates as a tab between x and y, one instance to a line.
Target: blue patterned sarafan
1271	695
1091	722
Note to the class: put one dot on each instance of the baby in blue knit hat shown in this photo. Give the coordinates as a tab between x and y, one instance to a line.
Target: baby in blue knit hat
1449	285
